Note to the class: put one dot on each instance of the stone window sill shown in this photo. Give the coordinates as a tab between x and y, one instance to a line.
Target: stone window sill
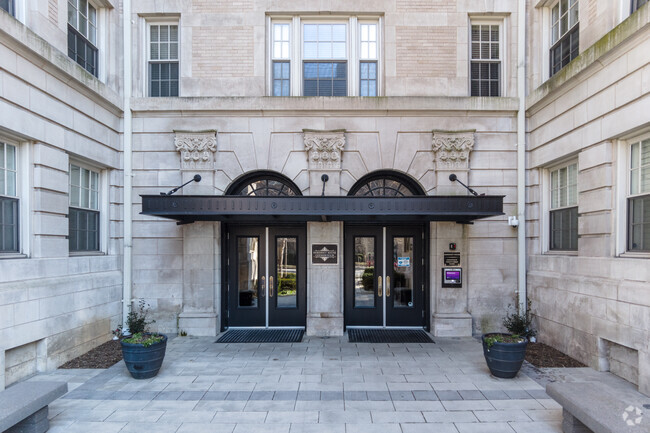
560	253
87	253
12	256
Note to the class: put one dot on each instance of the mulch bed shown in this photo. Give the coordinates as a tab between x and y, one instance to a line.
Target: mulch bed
541	355
102	356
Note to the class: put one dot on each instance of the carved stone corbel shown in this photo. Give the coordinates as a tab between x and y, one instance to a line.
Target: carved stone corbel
324	148
197	149
452	149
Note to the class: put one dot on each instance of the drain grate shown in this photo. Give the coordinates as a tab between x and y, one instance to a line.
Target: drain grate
262	336
388	336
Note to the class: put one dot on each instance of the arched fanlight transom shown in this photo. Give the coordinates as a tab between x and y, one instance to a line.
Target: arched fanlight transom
264	185
385	184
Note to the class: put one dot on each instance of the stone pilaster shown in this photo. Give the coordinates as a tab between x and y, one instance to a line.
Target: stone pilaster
325	282
452	151
324	151
200	265
450	317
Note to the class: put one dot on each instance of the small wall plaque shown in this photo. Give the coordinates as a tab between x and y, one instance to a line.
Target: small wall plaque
452	259
324	254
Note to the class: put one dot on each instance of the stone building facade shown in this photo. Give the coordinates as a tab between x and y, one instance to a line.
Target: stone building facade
325	105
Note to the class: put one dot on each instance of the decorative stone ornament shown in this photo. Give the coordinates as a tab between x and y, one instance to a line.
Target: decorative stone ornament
452	149
197	149
324	148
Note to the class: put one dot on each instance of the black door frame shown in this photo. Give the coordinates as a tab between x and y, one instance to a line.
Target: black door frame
295	317
425	277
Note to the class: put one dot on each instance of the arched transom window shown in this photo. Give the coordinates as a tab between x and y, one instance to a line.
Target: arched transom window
264	185
385	184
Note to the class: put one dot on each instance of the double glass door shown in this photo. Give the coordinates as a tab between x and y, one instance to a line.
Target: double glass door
384	283
266	276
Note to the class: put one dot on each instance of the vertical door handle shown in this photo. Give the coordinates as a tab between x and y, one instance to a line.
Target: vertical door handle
270	287
387	287
379	289
263	287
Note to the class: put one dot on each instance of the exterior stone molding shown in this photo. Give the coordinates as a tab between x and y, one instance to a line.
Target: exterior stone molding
452	149
197	149
324	148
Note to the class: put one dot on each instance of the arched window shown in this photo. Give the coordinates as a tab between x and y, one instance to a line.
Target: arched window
386	184
263	184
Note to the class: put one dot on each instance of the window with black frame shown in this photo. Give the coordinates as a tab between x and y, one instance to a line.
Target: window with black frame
325	66
565	34
563	230
83	213
636	4
485	63
281	59
163	60
8	5
82	34
639	197
8	199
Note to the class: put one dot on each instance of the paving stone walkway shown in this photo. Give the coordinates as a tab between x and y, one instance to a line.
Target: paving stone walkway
319	385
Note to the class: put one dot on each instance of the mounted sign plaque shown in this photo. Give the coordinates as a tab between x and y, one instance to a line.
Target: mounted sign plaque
324	254
452	259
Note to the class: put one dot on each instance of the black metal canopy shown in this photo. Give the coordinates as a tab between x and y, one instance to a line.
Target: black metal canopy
191	208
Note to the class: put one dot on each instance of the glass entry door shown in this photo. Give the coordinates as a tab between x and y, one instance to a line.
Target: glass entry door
384	283
266	276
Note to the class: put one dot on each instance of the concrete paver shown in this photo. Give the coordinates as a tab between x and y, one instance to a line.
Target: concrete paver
318	385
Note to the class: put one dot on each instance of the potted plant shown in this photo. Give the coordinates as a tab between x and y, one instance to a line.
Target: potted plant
143	351
505	352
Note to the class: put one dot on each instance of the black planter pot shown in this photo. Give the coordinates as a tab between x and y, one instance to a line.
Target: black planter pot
144	362
504	359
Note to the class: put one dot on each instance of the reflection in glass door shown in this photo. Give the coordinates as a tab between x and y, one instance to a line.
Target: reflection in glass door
266	276
384	271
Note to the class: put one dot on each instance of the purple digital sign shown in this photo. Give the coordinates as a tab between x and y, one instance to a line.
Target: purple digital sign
452	275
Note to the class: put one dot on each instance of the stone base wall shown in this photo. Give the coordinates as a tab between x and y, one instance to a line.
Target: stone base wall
596	310
68	307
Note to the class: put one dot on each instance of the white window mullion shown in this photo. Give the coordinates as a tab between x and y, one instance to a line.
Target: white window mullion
353	58
296	57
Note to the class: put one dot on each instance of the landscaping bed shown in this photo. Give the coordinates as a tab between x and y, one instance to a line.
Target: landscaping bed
543	356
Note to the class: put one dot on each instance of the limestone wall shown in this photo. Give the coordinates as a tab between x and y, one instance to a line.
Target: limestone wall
54	305
593	303
399	138
423	45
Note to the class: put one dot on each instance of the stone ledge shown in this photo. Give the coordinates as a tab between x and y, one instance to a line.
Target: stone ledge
19	38
25	399
285	105
599	406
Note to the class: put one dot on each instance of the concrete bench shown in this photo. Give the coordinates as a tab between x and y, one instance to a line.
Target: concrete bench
23	406
611	407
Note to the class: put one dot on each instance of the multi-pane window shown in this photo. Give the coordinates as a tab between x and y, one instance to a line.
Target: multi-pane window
368	59
325	68
564	208
163	60
485	63
639	197
82	34
8	199
281	59
7	5
636	4
84	209
564	34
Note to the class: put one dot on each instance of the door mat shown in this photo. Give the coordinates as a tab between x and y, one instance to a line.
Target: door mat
357	335
262	336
